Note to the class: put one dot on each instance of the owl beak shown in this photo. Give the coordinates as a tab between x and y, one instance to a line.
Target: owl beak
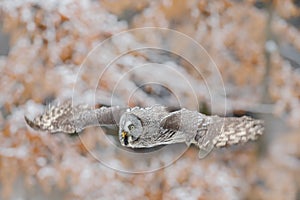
124	136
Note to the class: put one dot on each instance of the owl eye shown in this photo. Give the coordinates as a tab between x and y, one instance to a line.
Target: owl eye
131	127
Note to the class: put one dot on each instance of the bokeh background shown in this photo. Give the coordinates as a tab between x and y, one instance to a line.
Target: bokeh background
255	45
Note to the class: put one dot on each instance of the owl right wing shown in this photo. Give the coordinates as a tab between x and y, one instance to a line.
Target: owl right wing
208	132
70	119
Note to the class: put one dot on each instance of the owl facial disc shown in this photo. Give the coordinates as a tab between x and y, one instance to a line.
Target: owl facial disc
130	130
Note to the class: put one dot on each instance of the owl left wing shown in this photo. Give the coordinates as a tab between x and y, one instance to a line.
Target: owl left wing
70	119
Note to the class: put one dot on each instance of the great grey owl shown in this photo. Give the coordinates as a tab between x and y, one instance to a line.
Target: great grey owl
152	126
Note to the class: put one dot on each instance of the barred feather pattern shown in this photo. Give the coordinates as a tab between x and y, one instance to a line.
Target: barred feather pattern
153	125
56	119
70	119
236	130
208	132
215	131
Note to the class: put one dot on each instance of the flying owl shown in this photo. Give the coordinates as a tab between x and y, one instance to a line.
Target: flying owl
152	126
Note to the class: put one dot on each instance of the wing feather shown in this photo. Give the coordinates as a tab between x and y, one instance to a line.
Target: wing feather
73	119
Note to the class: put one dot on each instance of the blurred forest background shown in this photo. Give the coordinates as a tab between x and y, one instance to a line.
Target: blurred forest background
255	44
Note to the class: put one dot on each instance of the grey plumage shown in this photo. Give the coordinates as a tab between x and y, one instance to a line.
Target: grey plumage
73	119
152	126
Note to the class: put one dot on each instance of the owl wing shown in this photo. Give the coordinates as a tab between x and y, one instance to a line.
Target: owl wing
208	132
236	130
180	126
73	119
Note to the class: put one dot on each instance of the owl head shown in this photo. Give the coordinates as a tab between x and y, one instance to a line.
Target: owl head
130	129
